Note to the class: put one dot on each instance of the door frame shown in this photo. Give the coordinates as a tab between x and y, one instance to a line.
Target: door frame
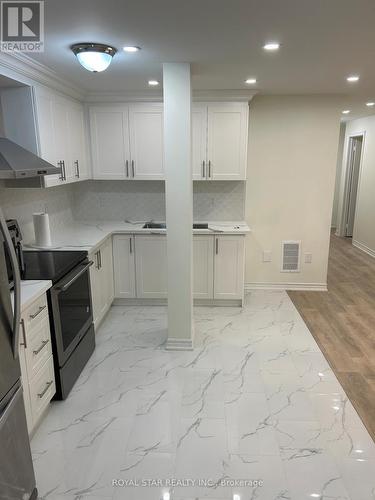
347	173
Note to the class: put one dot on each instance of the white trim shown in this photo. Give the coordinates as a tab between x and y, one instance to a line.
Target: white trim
316	287
364	248
174	344
23	68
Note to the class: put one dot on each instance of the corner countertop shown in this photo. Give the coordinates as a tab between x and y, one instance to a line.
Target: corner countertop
32	290
89	236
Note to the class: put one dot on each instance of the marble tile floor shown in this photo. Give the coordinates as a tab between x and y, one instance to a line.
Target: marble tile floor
253	411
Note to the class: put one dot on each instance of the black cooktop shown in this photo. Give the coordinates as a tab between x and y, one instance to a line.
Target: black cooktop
50	265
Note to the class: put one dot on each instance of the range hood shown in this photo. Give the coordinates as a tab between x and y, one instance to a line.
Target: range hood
18	163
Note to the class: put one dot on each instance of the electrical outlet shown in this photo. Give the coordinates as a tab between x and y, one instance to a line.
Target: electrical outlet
267	256
308	258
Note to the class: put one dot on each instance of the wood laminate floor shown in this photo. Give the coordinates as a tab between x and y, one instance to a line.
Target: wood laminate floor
342	322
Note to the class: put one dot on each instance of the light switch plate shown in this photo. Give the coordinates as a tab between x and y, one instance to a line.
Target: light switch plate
267	257
308	258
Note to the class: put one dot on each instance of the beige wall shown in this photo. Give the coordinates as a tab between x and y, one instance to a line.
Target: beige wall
340	153
364	226
291	177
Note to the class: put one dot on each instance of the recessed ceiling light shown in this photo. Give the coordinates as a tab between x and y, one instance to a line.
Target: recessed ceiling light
346	111
94	57
131	48
153	83
271	46
370	104
353	78
250	81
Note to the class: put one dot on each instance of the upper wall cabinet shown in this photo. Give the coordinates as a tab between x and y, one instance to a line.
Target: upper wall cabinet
49	125
219	141
127	141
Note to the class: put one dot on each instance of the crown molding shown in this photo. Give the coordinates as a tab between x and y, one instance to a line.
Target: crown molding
24	69
157	96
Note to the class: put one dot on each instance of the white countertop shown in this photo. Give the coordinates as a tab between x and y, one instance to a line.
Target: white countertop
31	290
88	236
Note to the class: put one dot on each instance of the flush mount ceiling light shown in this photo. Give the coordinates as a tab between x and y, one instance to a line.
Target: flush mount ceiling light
346	111
271	46
370	104
131	49
352	78
250	81
153	83
94	57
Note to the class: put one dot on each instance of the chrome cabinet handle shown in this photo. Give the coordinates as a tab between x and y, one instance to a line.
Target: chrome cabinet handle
133	170
97	259
76	163
37	351
63	170
41	308
203	169
127	168
217	246
60	164
131	245
48	385
24	343
100	259
209	168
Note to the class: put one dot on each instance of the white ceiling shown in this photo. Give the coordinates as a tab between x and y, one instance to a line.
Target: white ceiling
323	41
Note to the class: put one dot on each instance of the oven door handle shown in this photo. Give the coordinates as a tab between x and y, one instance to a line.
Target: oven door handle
17	286
62	287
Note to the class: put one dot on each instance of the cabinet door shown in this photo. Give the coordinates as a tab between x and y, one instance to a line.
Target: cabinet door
96	295
106	270
229	267
146	141
61	132
227	141
199	142
124	266
76	138
151	266
203	266
110	142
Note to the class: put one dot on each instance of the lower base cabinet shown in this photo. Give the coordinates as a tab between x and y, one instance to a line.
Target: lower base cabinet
36	361
101	277
140	266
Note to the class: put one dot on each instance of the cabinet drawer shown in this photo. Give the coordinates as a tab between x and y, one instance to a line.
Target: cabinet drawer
38	349
34	313
42	388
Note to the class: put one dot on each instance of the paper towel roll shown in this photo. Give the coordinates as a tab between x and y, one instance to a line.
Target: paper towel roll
42	230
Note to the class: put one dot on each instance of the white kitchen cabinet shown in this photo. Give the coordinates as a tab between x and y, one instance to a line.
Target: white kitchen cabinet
146	141
101	277
78	165
36	361
229	267
109	127
203	267
151	266
124	266
219	141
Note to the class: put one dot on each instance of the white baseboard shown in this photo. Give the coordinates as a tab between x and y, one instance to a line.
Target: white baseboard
364	248
174	344
314	287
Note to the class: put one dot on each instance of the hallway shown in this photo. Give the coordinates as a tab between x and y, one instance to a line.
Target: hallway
342	322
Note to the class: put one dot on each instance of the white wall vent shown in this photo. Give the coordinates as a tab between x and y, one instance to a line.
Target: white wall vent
291	253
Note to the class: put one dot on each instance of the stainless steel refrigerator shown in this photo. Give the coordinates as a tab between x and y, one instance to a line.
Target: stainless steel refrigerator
17	480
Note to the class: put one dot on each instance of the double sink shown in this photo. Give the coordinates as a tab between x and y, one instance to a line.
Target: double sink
162	225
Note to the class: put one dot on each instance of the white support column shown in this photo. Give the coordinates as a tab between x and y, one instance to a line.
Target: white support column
179	204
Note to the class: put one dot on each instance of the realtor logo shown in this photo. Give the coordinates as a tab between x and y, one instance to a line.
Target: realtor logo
22	26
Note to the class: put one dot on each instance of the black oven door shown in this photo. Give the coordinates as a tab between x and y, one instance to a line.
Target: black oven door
71	309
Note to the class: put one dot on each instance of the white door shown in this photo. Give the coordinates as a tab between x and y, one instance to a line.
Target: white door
203	267
46	134
110	142
354	168
199	142
229	267
151	266
227	141
61	128
124	266
76	137
146	141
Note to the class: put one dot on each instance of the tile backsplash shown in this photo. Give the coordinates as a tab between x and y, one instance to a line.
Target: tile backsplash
117	200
